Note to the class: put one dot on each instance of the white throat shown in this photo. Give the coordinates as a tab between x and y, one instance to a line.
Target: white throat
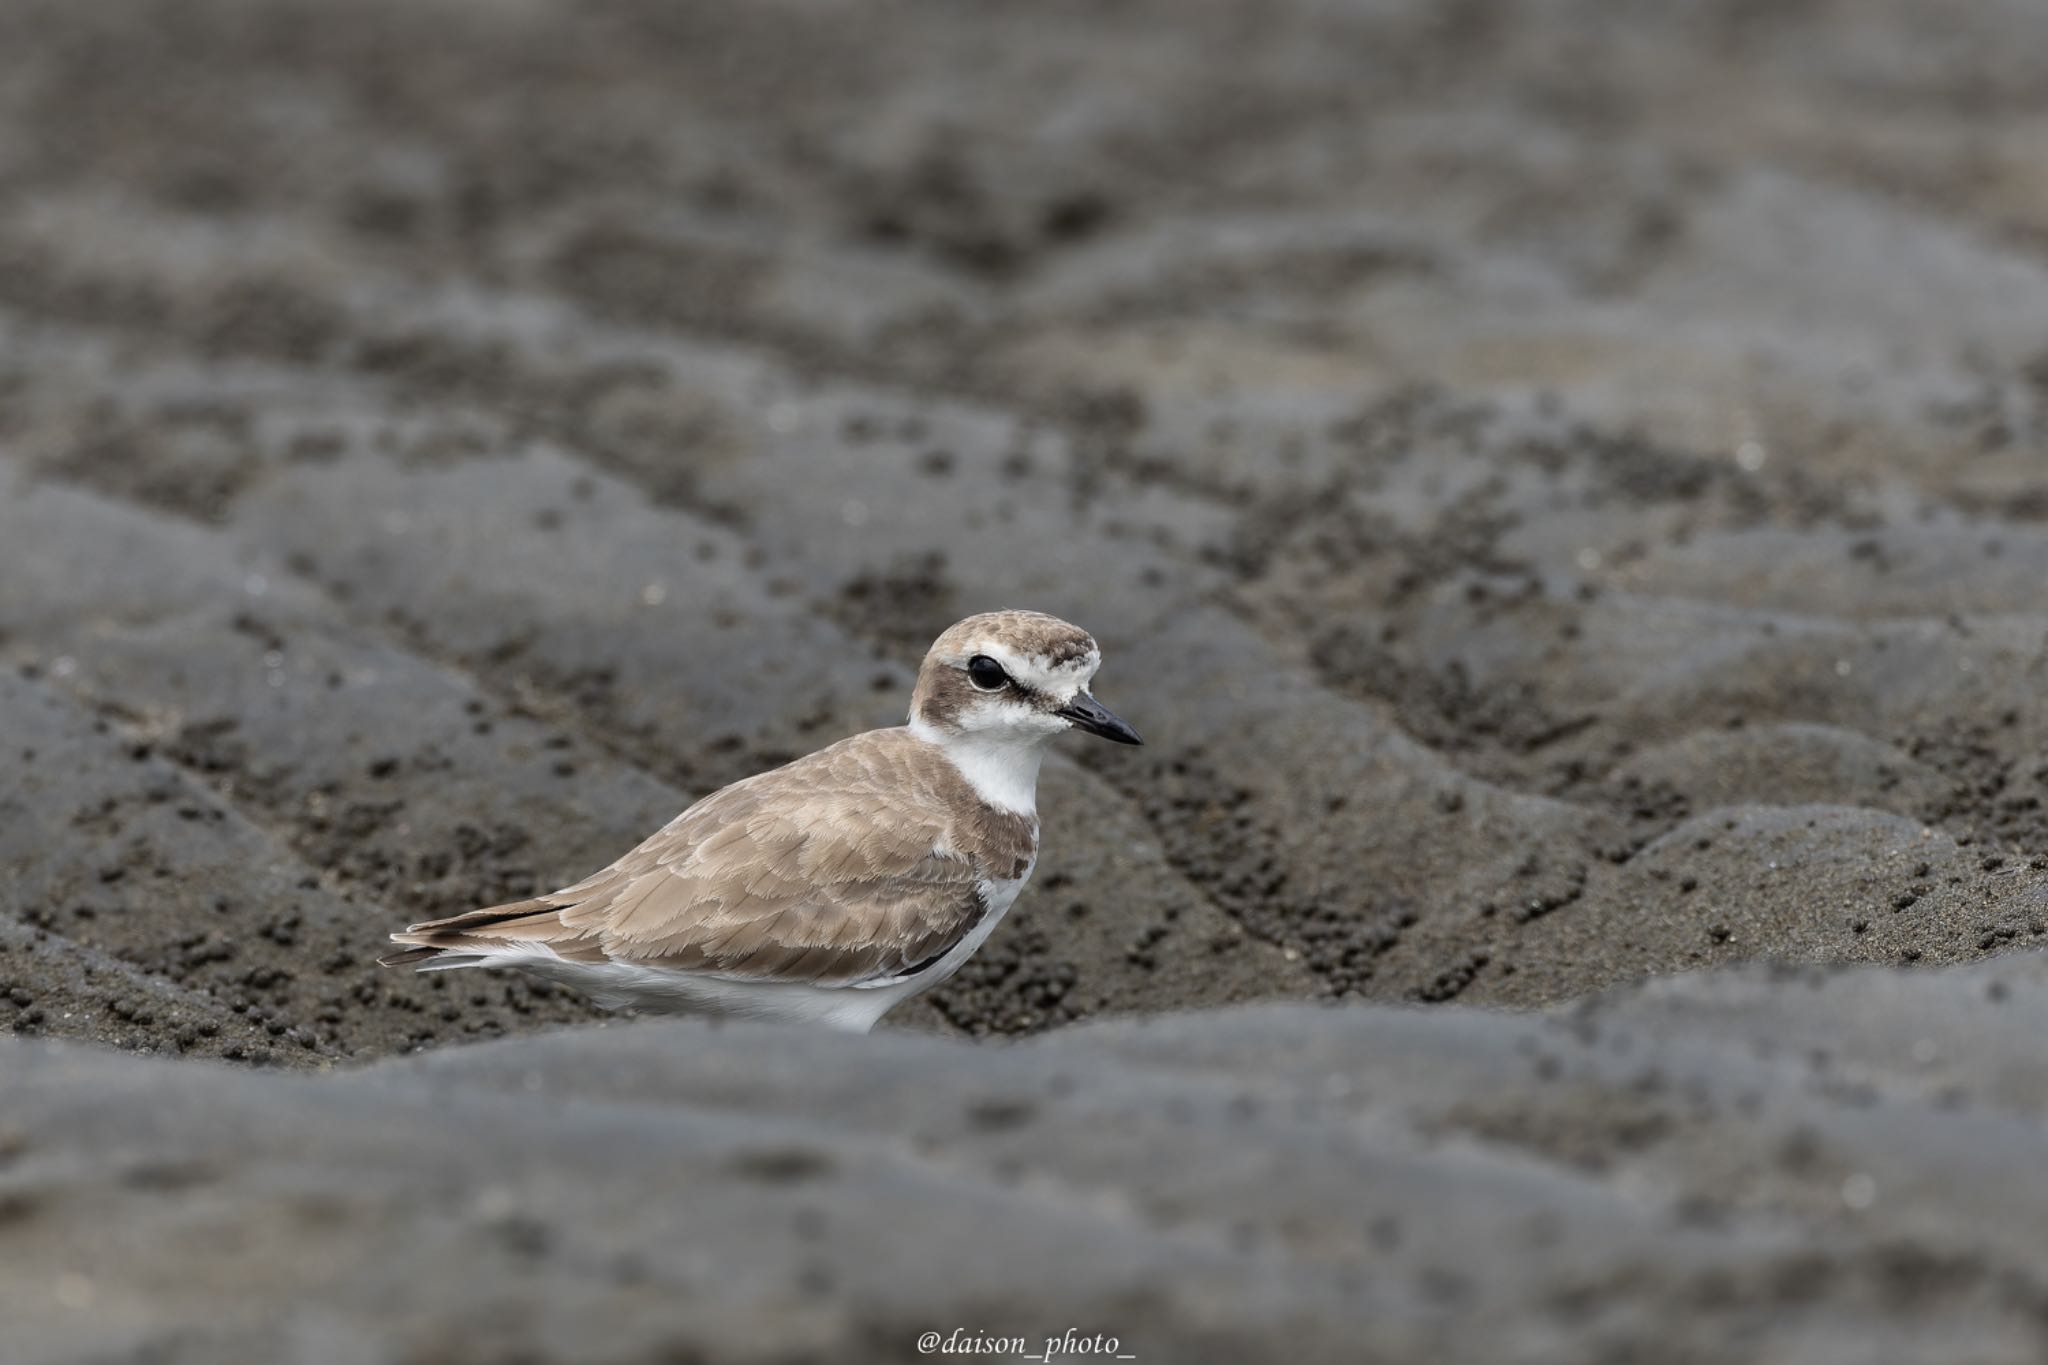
1003	772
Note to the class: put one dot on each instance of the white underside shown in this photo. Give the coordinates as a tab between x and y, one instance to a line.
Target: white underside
853	1008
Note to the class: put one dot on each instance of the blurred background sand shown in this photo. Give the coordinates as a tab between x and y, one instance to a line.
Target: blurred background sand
1558	484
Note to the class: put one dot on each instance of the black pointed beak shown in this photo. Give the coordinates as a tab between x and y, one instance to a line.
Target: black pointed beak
1091	715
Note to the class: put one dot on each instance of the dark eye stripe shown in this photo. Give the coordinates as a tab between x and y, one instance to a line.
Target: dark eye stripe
988	675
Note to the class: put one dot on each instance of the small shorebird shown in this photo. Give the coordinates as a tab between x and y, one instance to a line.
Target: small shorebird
833	888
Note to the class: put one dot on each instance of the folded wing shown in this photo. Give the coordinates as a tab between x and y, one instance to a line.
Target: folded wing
842	869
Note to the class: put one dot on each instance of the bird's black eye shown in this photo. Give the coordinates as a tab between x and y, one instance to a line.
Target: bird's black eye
988	675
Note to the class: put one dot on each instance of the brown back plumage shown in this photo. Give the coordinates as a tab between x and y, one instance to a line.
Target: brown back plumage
853	864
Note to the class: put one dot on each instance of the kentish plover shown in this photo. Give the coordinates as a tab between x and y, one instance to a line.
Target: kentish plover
833	888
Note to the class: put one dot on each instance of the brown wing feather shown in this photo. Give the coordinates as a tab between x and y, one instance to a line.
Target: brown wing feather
828	871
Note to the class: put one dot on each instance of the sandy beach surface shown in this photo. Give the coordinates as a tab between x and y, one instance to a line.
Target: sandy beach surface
1559	485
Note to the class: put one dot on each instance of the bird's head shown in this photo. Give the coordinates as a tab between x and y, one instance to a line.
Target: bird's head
1011	677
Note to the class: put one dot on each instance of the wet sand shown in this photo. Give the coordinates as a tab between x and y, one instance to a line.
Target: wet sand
1558	485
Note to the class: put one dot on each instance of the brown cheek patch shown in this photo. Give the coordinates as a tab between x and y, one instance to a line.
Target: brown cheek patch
942	694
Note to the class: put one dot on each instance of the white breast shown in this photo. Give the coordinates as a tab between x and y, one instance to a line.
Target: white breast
1002	772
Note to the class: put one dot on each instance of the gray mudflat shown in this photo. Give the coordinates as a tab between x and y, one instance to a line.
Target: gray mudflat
1559	485
1748	1165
